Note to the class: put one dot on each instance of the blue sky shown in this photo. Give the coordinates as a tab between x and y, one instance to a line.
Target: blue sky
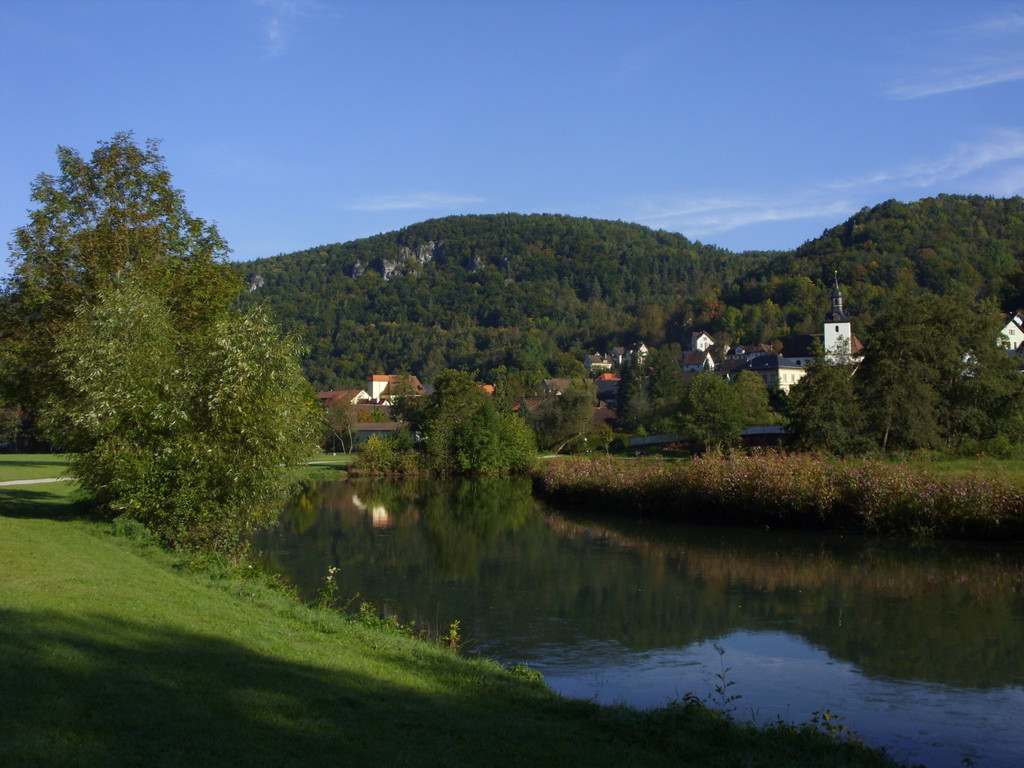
750	125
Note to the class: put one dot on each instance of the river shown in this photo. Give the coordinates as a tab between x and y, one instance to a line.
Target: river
918	647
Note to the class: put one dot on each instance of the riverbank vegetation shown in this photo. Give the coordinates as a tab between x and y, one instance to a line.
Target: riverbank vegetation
458	430
795	491
119	652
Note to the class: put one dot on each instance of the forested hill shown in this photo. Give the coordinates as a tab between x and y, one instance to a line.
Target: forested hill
534	292
530	292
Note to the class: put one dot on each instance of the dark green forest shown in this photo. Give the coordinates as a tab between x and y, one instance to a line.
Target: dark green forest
536	292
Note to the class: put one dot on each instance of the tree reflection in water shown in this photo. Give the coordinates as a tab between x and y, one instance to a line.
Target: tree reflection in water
919	644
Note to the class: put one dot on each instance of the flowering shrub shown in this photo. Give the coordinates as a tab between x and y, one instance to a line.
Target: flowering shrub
798	490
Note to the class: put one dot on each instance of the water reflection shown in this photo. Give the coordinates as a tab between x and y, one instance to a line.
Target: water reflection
626	611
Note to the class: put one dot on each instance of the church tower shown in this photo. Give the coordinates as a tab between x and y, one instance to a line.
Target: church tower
838	339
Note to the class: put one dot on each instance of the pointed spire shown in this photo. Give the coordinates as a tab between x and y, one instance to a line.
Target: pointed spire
836	313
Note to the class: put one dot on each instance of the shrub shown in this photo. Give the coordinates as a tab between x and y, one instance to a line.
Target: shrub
794	491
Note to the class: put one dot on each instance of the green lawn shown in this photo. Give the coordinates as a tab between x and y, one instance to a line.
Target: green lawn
32	466
1010	469
116	653
334	459
36	466
328	466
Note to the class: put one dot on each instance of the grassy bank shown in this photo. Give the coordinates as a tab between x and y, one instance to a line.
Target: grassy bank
116	653
797	491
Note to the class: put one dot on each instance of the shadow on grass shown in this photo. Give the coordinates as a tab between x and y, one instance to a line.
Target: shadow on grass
95	690
50	502
58	465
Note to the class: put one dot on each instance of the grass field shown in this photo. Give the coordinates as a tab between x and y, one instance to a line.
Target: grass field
328	466
1009	469
35	466
32	466
116	653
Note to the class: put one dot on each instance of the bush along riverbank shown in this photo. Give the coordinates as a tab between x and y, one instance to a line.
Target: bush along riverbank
794	491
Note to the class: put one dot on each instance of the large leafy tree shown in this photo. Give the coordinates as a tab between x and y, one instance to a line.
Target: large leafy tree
934	377
560	420
100	221
634	393
665	386
340	418
462	431
824	411
753	401
711	412
181	412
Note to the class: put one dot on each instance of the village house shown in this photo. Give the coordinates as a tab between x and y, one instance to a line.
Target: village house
555	387
621	354
608	387
697	360
384	389
364	430
1012	334
700	341
347	396
749	352
597	363
776	371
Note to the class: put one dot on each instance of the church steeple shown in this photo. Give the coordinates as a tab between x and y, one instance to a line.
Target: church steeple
836	314
838	336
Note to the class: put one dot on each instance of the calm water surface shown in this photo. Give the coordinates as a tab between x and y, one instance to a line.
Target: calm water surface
920	647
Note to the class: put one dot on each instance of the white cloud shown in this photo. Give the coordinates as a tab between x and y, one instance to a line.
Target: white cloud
993	166
961	80
987	52
279	28
1002	146
416	201
704	217
1008	182
997	25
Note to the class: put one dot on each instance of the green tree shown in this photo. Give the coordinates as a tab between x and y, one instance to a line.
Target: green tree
634	394
710	411
98	222
560	420
665	386
464	434
825	413
933	376
10	425
340	418
752	400
181	413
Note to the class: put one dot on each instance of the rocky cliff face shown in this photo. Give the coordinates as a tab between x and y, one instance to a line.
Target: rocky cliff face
423	254
409	260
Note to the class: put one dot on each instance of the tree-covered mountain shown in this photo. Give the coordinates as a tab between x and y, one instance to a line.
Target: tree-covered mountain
534	292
